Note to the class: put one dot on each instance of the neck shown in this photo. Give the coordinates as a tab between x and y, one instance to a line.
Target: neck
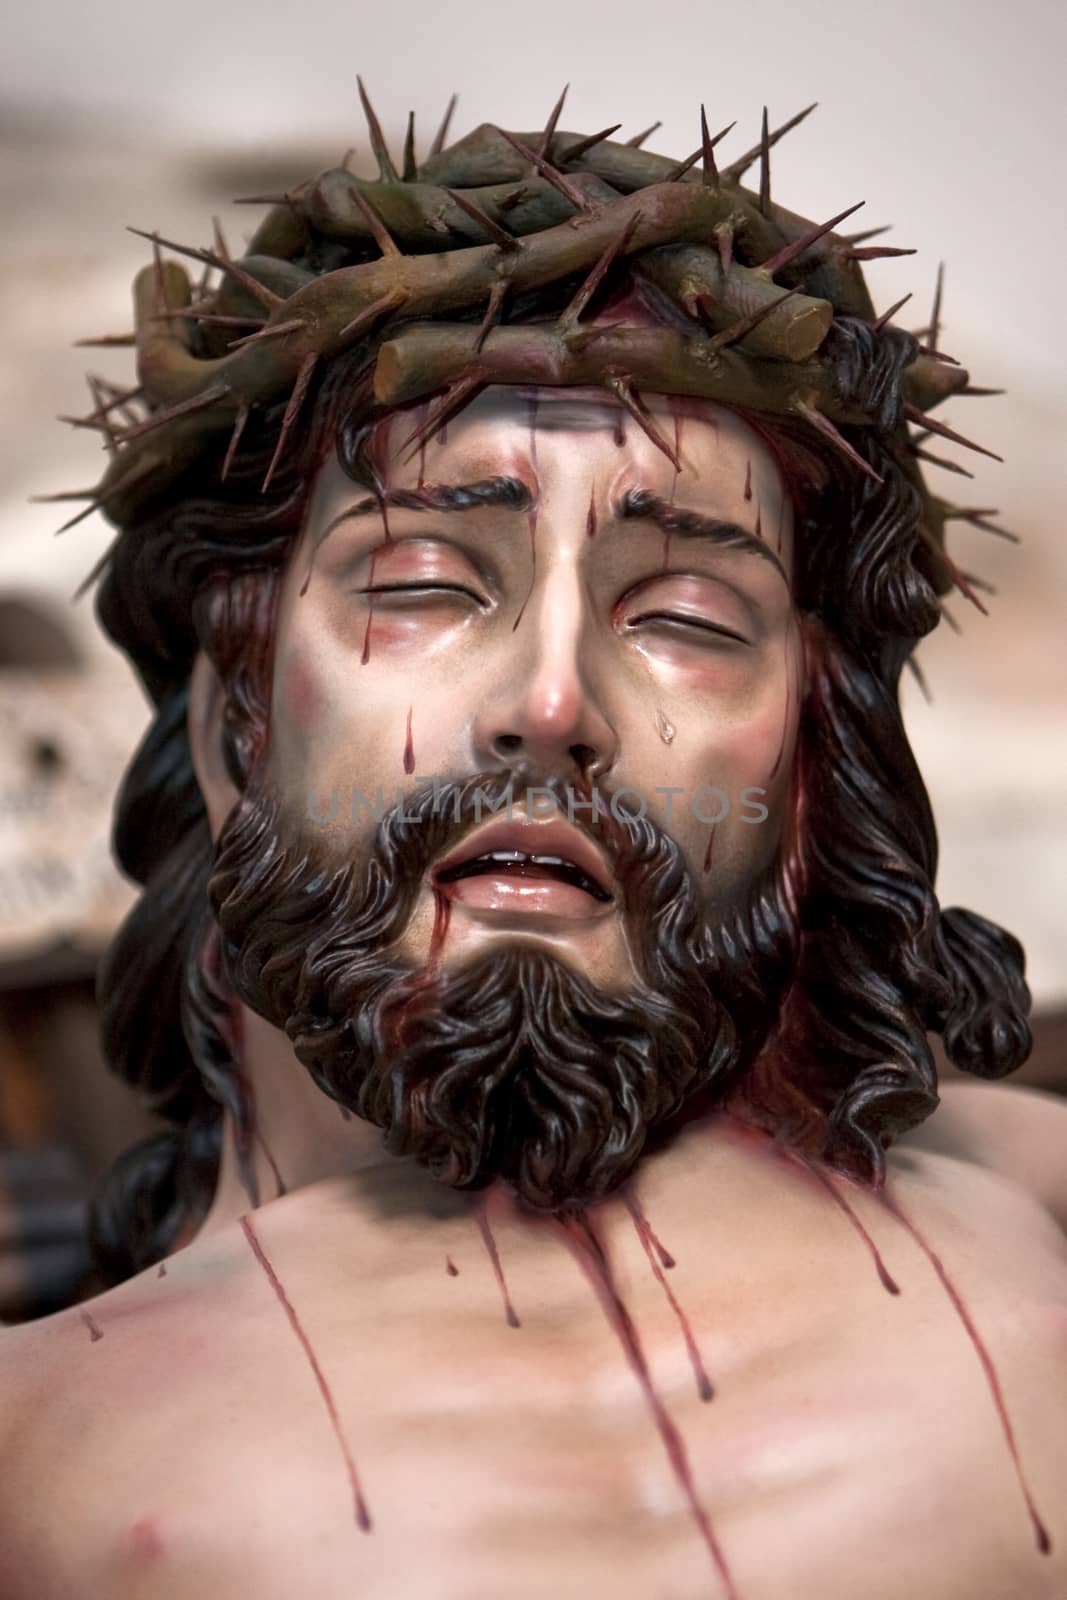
301	1137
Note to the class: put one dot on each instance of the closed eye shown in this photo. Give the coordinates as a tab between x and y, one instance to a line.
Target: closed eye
421	588
687	622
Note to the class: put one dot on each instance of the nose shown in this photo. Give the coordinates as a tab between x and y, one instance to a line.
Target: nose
545	709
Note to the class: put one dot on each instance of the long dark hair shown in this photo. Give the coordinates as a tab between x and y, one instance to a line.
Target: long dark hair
864	962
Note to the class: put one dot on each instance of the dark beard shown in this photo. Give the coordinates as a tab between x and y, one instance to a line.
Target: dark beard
512	1066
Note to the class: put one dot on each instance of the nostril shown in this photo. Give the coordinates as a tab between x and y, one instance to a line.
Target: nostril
584	757
506	744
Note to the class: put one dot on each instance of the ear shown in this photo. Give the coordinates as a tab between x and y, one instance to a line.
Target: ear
207	700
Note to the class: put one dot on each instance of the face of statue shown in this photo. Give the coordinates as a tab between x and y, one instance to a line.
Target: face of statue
545	597
592	612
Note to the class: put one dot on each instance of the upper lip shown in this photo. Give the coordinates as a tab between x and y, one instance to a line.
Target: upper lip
554	838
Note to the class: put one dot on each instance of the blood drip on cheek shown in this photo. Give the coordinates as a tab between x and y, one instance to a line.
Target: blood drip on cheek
748	480
590	520
1041	1535
586	1247
409	747
889	1284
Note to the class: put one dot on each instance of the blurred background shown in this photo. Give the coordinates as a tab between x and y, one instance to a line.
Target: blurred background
946	118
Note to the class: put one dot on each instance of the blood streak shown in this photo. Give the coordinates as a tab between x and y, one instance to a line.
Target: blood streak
710	848
94	1331
409	748
490	1244
365	656
644	1233
423	413
781	522
362	1515
1044	1543
759	520
532	405
788	706
590	1254
887	1281
590	519
451	1268
442	912
162	1273
748	480
677	450
532	517
619	434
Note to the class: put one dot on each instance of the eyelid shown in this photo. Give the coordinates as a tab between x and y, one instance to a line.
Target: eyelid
692	622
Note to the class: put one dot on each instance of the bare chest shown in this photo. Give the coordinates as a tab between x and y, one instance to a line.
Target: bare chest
749	1428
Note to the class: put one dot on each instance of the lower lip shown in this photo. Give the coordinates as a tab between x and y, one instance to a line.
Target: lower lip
541	896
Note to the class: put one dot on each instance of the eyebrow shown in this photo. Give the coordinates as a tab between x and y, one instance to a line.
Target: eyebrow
510	492
643	505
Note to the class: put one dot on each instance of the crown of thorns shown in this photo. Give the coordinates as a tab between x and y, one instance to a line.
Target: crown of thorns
492	216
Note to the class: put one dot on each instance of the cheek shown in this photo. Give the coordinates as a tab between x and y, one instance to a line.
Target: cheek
301	694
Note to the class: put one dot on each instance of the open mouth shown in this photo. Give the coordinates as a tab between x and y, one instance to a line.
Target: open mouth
523	864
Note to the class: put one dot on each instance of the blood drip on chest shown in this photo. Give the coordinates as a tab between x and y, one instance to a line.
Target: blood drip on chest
510	1316
451	1268
589	1252
889	1284
362	1516
1041	1536
709	849
644	1233
94	1331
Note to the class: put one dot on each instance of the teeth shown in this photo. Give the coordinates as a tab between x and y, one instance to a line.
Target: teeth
503	855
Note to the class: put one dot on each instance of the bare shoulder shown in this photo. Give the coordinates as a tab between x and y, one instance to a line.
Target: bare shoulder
1015	1130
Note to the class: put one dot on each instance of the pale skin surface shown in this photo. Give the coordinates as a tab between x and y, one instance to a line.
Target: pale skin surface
852	1446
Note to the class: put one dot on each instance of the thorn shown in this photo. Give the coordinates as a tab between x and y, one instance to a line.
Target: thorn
950	619
639	138
920	678
973	390
556	179
934	330
386	171
96	390
370	314
275	330
587	288
958	578
724	235
347	157
550	125
764	167
826	427
623	390
454	396
235	439
977	519
196	402
893	309
410	166
442	133
96	569
212	317
300	387
977	582
492	312
160	285
738	168
62	494
789	252
682	167
573	151
913	414
97	419
867	233
711	171
508	201
288	198
382	237
744	325
135	473
265	296
220	240
106	341
941	461
938	355
500	236
875	252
